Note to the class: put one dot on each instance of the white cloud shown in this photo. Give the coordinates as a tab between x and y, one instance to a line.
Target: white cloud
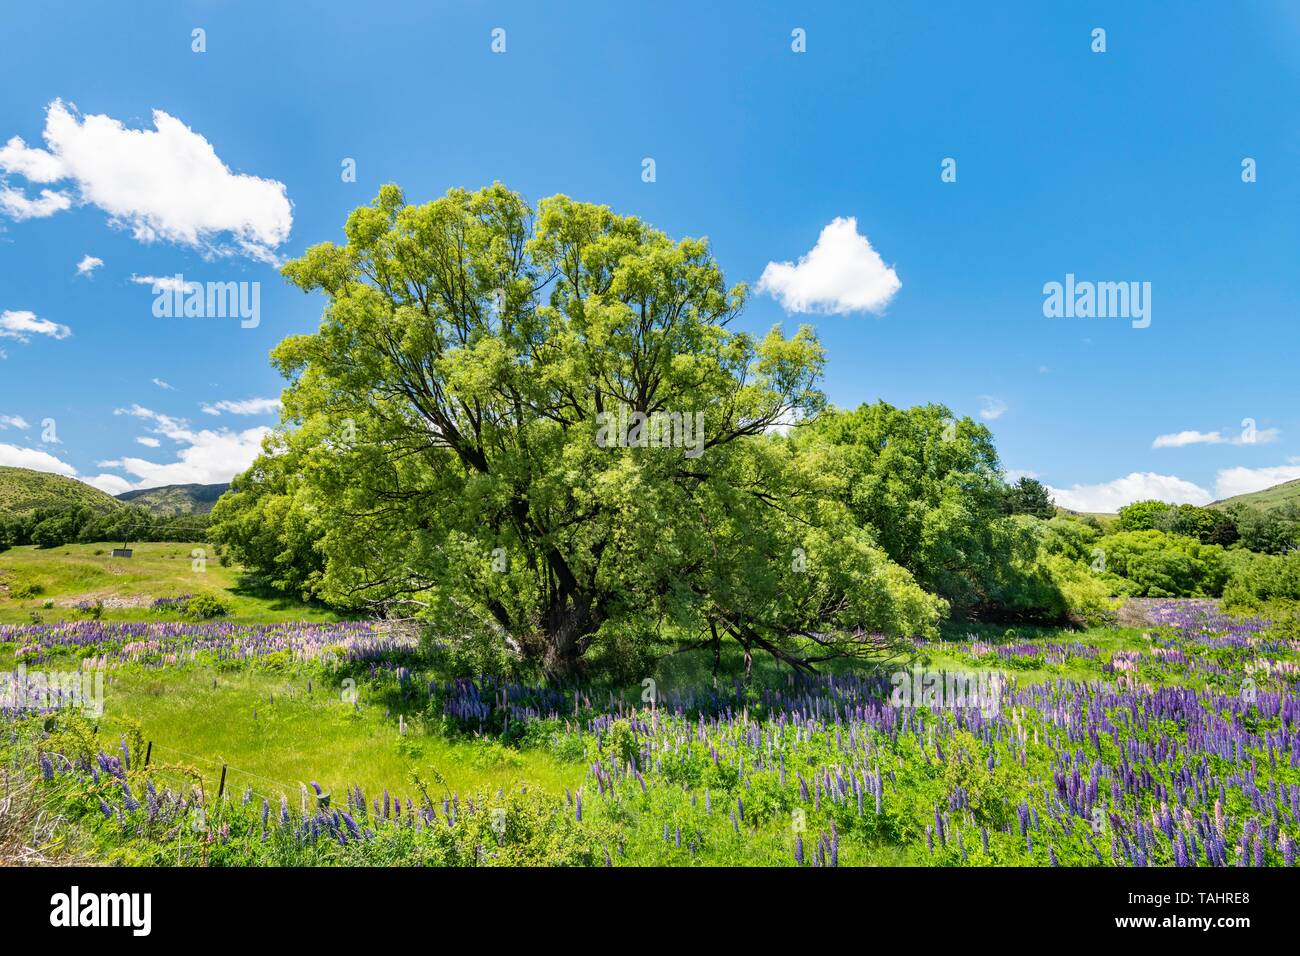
249	406
164	283
1179	439
16	457
842	274
991	409
163	385
163	184
13	421
1263	436
209	456
34	165
1015	474
110	484
88	264
1138	486
22	325
17	206
1242	481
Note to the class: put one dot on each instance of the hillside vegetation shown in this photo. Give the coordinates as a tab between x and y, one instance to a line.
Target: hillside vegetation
1277	496
23	491
172	500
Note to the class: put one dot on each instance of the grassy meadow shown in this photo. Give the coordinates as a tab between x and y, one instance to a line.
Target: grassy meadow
54	583
343	743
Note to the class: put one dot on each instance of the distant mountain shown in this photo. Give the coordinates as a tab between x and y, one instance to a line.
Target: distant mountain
176	499
23	491
1267	499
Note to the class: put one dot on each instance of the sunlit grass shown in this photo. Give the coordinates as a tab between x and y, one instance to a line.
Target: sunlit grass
68	575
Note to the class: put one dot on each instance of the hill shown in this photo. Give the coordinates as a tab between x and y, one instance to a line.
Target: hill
172	500
1267	499
23	491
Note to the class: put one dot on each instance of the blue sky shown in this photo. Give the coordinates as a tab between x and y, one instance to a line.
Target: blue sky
1115	166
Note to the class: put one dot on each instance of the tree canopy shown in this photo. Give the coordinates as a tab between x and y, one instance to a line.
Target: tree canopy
449	427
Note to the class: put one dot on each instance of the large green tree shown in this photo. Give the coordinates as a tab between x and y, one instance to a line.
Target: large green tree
458	426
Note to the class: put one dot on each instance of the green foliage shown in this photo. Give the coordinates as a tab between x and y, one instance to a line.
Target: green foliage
203	607
923	485
1028	496
1141	515
1156	564
1272	531
267	522
448	459
1264	578
1207	525
54	527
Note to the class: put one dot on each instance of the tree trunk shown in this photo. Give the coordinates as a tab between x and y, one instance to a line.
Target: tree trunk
568	626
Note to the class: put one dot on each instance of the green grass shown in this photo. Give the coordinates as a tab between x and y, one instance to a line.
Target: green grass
302	736
276	726
74	573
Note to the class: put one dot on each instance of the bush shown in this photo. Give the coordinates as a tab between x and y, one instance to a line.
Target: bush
1264	578
1274	531
1156	564
1142	515
203	607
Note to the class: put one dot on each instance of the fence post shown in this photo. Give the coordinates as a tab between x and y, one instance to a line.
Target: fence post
222	787
148	751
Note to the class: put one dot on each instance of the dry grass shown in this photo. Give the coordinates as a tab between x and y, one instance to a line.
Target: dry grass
29	830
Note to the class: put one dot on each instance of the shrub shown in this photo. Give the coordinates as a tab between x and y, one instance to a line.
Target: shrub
203	607
1141	515
1156	564
1264	578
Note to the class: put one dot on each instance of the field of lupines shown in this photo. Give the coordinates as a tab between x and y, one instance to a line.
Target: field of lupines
1179	745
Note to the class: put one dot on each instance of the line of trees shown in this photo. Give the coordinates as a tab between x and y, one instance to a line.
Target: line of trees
440	458
54	527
